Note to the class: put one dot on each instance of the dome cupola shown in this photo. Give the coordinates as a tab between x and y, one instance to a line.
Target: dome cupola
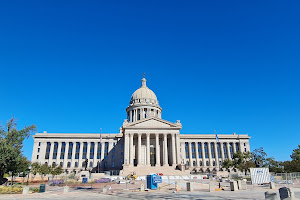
143	104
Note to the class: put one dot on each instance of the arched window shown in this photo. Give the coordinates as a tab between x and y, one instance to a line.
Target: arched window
53	164
214	163
207	163
76	164
194	163
201	163
69	164
61	164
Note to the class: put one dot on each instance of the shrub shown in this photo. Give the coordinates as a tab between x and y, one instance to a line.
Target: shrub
34	189
10	190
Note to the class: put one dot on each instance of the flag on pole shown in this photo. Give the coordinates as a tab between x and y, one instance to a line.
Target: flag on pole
217	138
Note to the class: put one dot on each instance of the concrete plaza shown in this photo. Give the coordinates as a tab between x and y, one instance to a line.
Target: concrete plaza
54	192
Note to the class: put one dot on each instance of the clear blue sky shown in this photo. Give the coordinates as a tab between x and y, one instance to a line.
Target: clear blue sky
230	66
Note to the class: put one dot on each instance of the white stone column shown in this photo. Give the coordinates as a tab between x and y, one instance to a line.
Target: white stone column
130	116
222	151
203	154
216	154
190	155
165	150
173	150
157	149
66	155
139	156
234	147
209	154
88	153
43	152
126	149
228	149
148	149
197	154
51	154
241	146
73	155
178	149
59	144
131	149
80	155
95	154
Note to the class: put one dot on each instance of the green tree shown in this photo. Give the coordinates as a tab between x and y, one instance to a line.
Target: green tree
296	154
34	169
11	143
55	170
274	166
260	156
227	164
242	161
44	170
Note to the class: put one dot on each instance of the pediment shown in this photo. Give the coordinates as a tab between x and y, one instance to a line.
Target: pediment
152	122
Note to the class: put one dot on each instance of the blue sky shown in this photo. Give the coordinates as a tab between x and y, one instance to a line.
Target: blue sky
230	66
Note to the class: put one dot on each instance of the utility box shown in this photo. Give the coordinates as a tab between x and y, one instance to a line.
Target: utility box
42	188
152	180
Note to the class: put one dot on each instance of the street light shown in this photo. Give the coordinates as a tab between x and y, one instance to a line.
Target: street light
29	168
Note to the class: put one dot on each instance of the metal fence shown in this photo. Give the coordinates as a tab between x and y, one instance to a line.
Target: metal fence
287	178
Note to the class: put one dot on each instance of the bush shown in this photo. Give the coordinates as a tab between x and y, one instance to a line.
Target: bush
34	189
103	180
10	190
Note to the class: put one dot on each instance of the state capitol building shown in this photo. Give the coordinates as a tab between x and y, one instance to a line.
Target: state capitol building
145	144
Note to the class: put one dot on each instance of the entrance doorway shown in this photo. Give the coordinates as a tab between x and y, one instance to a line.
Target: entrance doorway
152	156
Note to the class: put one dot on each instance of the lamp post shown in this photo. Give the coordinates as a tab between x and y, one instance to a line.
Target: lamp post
29	168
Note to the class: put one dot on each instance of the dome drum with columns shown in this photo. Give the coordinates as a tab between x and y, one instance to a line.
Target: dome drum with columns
143	104
145	144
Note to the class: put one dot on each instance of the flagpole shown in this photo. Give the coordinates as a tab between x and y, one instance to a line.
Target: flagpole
99	147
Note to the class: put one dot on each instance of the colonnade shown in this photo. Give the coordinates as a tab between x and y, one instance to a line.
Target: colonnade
210	156
92	159
174	149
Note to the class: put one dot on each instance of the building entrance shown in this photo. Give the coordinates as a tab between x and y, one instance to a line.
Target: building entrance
152	156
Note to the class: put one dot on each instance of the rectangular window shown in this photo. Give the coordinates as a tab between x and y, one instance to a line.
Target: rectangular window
237	146
187	150
84	150
62	152
199	150
219	150
106	150
231	149
225	150
212	148
193	150
92	150
70	150
55	150
48	150
38	150
39	144
99	150
77	150
206	149
37	156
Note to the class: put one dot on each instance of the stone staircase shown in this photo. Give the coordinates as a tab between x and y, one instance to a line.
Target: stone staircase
144	170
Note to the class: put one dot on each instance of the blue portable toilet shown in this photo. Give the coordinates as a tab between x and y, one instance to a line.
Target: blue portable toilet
150	184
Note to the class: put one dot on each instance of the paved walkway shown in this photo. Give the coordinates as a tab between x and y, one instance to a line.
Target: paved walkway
256	193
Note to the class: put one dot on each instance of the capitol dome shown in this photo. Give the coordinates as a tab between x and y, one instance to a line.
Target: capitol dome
143	104
144	95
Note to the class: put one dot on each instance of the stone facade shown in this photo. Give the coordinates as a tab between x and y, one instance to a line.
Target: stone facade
145	144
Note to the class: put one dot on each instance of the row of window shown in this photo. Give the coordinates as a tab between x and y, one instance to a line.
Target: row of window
212	149
201	163
77	150
83	164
